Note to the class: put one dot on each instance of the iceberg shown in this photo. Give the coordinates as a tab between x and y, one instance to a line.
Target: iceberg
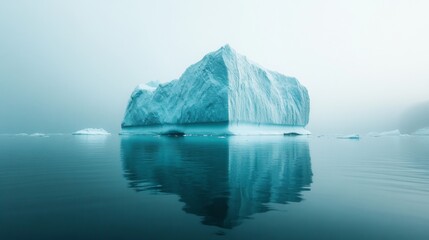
352	136
92	131
422	131
384	134
222	94
37	135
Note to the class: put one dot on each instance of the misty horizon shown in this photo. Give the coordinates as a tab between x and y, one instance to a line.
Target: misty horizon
276	119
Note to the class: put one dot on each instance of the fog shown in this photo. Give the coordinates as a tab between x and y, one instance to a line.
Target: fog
67	65
415	117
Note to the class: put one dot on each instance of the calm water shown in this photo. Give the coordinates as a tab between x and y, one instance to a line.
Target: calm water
135	187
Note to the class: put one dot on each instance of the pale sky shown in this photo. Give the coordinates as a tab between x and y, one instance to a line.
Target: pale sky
72	64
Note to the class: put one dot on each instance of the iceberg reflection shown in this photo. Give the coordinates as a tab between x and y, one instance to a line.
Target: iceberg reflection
224	180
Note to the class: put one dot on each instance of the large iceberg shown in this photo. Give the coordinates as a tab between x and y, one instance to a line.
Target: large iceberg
224	93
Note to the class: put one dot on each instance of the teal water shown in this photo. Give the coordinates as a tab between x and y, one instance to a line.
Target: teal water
140	187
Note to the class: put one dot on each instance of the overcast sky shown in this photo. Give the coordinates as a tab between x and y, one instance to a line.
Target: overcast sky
67	65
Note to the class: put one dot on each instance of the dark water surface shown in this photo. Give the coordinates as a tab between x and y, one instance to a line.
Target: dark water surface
140	187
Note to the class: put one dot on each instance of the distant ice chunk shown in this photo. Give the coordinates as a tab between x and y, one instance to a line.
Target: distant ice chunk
351	136
92	131
422	131
300	132
38	135
395	132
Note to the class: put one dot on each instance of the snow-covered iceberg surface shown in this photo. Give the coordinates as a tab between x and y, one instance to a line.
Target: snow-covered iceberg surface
224	93
92	131
422	131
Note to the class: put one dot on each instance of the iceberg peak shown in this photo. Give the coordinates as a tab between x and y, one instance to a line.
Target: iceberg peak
227	49
224	54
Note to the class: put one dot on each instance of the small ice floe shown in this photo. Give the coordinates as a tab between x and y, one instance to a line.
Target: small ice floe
422	132
292	134
395	132
351	136
173	133
91	131
38	135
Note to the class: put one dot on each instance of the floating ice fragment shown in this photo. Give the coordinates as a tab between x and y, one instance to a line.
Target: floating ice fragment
38	135
92	131
422	131
352	136
395	132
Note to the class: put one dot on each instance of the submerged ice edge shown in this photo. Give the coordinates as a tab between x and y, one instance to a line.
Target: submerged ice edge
223	129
